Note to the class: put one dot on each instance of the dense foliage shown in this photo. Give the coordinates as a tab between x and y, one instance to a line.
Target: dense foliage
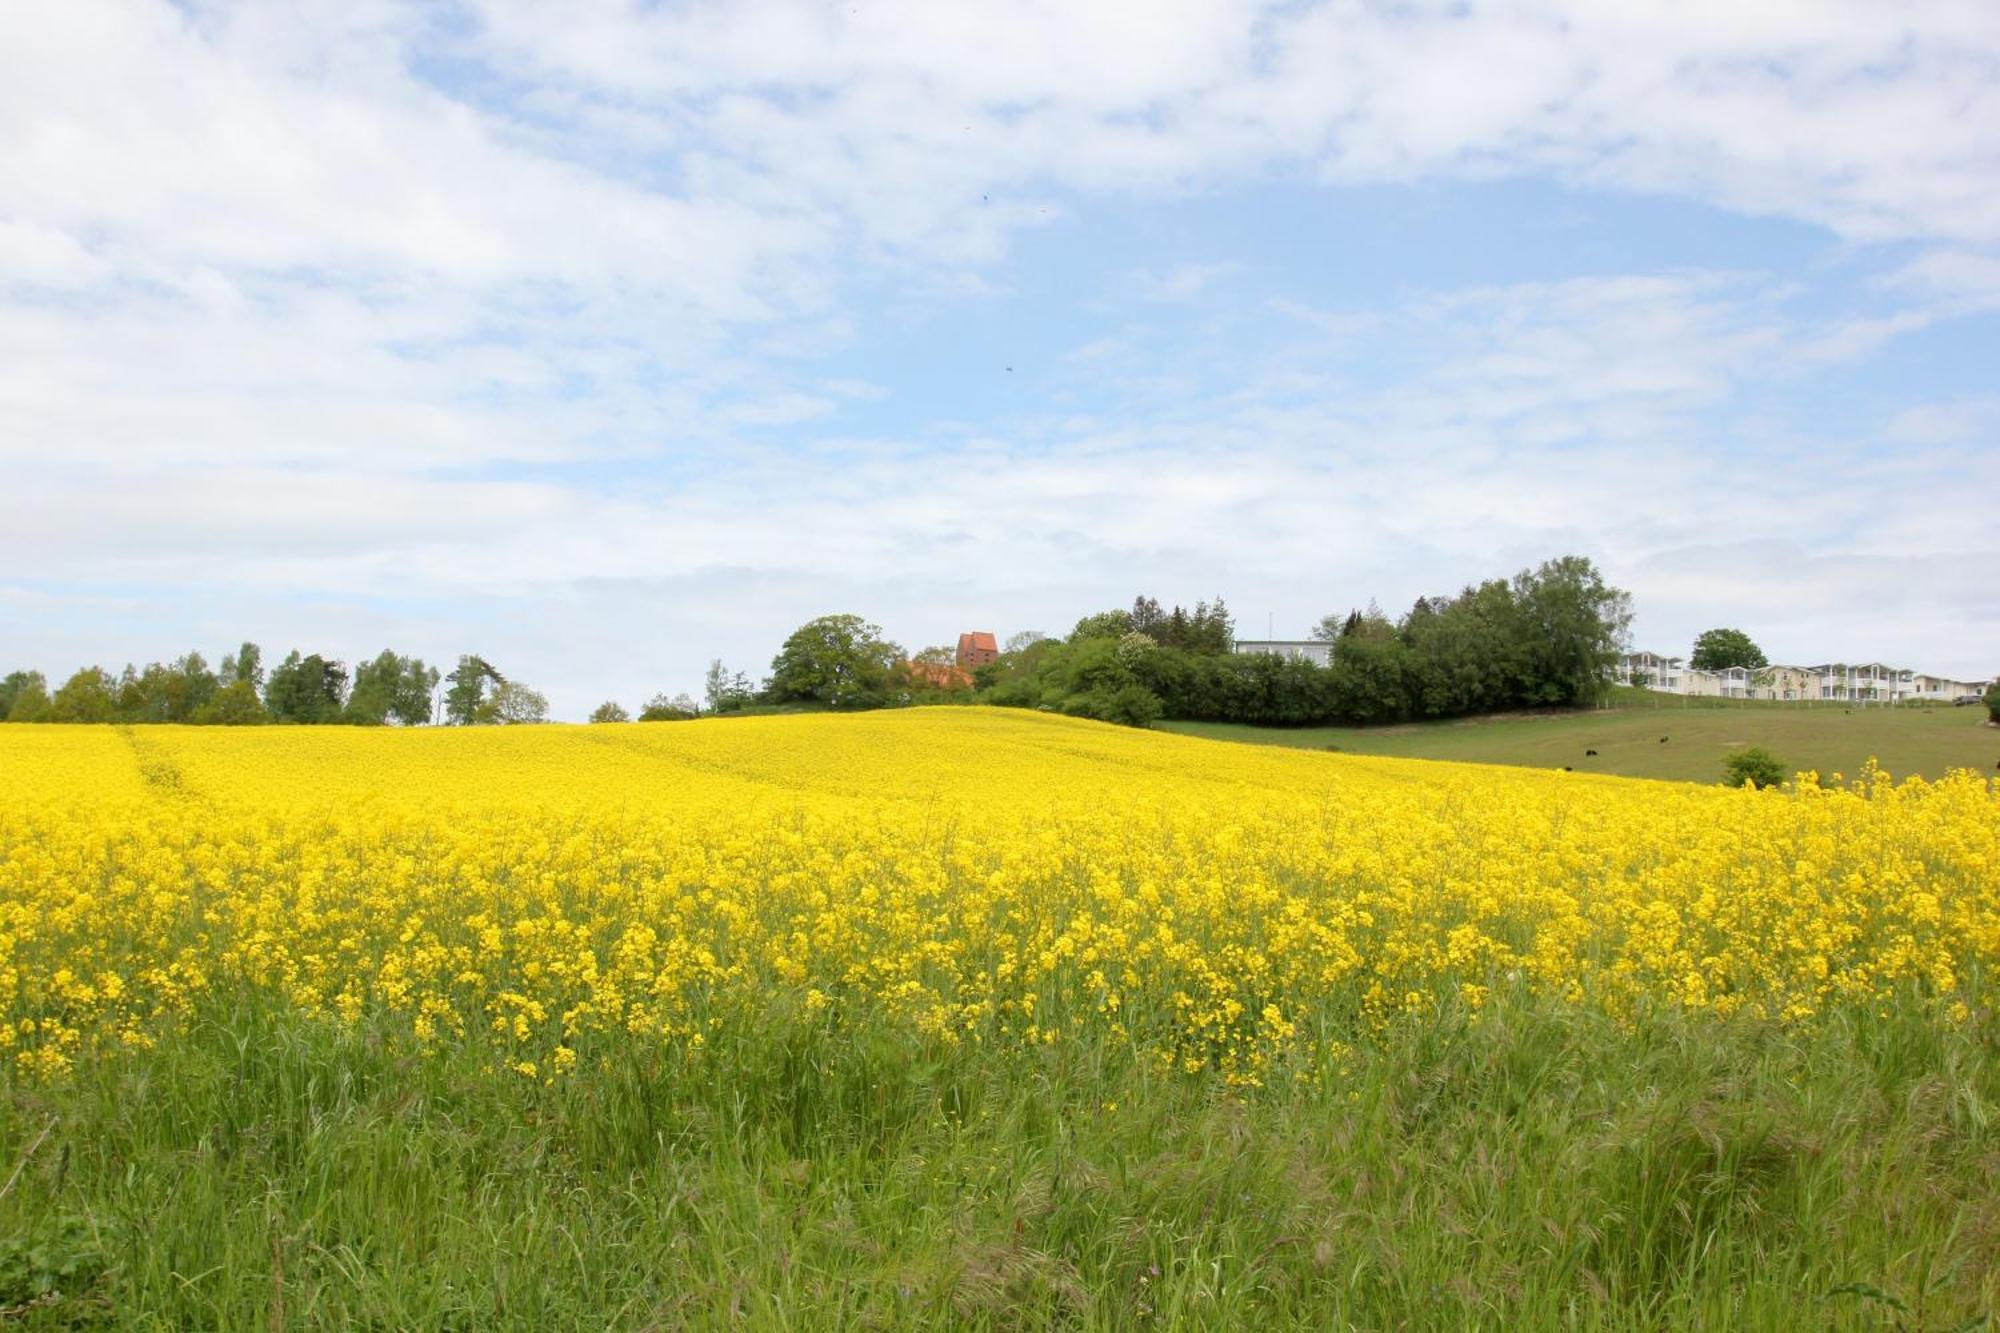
841	661
1545	639
1721	649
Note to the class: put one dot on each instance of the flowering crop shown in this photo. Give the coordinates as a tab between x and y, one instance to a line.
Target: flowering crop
570	896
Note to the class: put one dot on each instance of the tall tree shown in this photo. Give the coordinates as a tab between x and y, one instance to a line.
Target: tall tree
465	703
246	664
392	688
88	696
24	697
15	682
1720	649
1575	624
311	689
841	661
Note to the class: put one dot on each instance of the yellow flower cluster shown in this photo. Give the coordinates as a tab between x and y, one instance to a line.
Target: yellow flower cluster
974	876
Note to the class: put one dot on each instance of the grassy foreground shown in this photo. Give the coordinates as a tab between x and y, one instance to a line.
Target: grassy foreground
1827	739
1525	1167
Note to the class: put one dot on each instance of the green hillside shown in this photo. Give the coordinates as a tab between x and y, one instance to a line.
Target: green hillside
1685	743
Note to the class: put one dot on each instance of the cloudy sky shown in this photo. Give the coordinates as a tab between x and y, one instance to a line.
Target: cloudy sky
606	338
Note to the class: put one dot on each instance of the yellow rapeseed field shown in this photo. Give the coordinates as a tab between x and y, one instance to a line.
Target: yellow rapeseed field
567	895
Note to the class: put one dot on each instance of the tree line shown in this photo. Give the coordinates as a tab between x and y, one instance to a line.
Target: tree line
389	689
1546	638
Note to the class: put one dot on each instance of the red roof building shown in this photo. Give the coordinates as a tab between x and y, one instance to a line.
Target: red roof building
975	649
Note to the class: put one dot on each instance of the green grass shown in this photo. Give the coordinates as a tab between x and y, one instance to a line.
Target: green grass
1826	738
1528	1167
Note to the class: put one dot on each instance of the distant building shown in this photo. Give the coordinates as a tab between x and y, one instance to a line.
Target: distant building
939	675
1649	671
1317	651
1829	682
975	649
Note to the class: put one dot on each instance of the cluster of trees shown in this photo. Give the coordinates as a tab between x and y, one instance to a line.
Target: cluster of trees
1544	639
304	688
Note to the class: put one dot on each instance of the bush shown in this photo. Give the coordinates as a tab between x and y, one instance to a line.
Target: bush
1993	702
1755	766
1130	705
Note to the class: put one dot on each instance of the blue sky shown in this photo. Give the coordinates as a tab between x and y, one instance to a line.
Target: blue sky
607	339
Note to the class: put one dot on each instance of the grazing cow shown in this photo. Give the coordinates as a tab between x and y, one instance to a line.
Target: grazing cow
1568	769
1663	740
1588	753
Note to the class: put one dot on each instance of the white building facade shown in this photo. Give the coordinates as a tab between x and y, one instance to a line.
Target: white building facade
1829	682
1317	651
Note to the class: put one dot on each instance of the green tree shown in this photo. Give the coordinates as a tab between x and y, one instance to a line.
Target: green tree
841	661
309	690
465	703
1104	625
513	704
1992	697
1754	766
1575	625
392	688
28	700
234	705
245	664
1720	649
15	682
88	696
610	711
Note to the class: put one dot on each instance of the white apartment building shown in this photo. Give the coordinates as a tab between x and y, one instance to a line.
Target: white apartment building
1830	682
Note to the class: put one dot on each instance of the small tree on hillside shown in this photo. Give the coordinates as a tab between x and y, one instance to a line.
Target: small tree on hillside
1720	649
610	711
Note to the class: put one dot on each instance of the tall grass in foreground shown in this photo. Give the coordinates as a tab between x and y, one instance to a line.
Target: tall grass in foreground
1530	1165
